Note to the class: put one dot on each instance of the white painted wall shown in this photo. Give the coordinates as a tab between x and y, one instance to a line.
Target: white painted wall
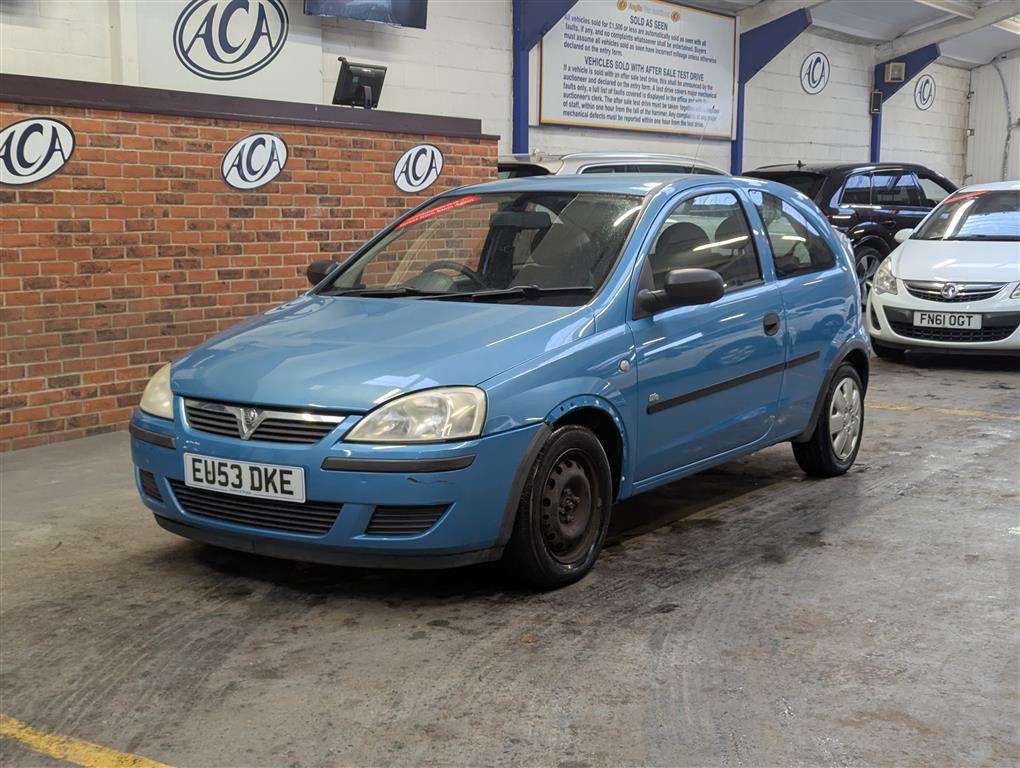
56	38
459	66
989	120
784	124
462	65
935	137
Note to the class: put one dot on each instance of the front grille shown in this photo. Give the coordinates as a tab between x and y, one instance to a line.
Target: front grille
149	487
275	427
403	521
932	291
310	517
994	333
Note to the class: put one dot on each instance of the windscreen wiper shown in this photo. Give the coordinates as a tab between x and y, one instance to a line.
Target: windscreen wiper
386	293
526	292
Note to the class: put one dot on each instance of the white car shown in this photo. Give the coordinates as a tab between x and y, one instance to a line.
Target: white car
953	283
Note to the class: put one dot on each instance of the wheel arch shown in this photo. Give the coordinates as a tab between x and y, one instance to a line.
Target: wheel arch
603	420
855	353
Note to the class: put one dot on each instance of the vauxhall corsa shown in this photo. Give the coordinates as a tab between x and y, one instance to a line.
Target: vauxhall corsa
485	378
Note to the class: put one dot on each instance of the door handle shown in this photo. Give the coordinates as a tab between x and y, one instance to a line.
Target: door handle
771	323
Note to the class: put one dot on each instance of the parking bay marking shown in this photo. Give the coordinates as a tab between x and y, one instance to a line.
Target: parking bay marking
70	749
944	411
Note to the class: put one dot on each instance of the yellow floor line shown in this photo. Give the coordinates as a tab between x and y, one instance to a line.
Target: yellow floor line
72	750
945	411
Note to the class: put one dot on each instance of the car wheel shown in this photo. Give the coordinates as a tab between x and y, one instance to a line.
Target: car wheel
563	514
894	354
868	261
832	447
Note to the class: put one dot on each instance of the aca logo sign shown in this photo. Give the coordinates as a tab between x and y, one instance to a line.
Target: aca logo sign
814	72
254	160
924	92
418	168
34	149
230	39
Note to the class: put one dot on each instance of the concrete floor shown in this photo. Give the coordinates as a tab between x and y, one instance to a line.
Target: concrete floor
746	616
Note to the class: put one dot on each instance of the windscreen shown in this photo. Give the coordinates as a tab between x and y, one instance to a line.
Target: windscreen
977	215
543	247
806	183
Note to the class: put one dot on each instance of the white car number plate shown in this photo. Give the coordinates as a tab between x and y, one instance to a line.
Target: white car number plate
266	481
947	320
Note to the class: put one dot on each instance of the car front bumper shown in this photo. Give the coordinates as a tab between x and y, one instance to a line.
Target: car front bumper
889	320
478	500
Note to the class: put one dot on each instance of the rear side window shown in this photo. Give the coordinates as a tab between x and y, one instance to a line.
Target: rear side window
932	191
894	188
857	190
711	232
609	169
797	245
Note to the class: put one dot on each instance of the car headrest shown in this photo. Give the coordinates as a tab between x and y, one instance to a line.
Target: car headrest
732	227
680	237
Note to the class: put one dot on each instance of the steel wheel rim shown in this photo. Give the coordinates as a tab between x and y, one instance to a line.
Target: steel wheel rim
845	415
569	507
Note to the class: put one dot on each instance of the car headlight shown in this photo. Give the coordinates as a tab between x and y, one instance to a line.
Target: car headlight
434	415
1016	293
884	281
157	399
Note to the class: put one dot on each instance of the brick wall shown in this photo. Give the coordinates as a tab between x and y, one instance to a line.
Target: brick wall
137	250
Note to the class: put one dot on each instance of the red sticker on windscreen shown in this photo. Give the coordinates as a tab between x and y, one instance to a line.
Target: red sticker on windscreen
460	201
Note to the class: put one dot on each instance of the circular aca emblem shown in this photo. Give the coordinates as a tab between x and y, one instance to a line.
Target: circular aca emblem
254	161
418	168
814	72
230	39
34	149
924	92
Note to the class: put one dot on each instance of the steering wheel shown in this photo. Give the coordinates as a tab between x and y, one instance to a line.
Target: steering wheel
456	267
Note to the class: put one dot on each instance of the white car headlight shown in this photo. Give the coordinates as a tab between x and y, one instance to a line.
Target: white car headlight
157	399
434	415
884	281
1016	293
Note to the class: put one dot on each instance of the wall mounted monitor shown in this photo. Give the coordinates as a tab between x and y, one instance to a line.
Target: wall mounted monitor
402	13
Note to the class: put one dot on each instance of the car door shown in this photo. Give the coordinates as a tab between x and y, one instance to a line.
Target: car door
897	199
709	375
813	286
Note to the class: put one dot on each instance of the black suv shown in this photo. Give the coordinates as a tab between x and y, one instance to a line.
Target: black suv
868	203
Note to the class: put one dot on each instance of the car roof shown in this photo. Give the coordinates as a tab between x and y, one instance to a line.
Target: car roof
640	184
994	186
831	167
578	158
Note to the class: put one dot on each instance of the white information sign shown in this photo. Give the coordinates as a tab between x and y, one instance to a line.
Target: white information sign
648	65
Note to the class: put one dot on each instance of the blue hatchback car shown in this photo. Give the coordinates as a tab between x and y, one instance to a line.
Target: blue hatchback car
485	377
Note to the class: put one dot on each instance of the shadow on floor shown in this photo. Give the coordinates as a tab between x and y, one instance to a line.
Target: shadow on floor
667	507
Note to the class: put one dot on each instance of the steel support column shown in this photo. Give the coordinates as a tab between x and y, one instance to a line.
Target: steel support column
758	47
532	19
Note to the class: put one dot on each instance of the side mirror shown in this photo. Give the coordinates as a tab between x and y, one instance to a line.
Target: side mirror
318	270
903	235
684	287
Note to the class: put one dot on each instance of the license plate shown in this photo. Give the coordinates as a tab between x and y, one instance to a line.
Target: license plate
245	478
947	320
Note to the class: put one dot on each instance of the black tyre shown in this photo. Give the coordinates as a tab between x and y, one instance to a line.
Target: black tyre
894	354
868	260
563	513
832	447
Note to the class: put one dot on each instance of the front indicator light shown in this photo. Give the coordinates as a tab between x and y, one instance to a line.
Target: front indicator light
430	416
884	281
157	399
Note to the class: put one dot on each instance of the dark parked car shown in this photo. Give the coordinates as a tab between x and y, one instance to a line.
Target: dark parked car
869	203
